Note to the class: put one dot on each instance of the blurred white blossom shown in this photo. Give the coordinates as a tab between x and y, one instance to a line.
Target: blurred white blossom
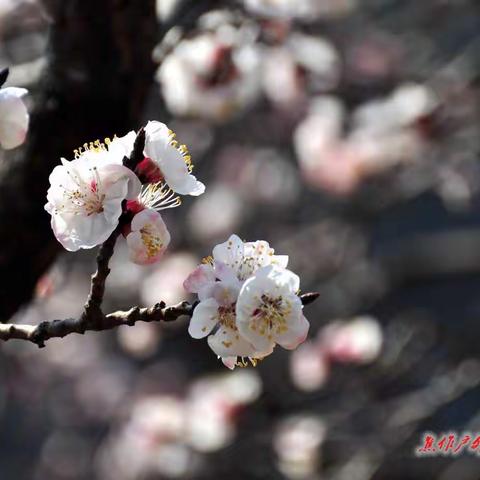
356	341
14	117
309	367
165	281
210	76
297	442
212	407
207	221
303	64
383	134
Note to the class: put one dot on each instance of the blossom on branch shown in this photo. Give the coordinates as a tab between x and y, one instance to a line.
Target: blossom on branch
149	237
269	310
85	197
211	76
227	284
88	195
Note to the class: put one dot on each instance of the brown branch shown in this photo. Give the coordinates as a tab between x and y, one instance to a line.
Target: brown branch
97	285
95	321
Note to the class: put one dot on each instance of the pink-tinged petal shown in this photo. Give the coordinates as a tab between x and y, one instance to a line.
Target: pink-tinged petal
224	273
229	362
204	318
295	335
309	367
202	276
85	233
113	173
356	341
149	237
14	117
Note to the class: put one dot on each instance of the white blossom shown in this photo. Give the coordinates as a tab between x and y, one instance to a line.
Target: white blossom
218	283
172	159
211	76
233	262
269	310
149	237
86	194
14	117
356	341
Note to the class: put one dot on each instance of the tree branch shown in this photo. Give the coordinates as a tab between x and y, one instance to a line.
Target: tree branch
95	321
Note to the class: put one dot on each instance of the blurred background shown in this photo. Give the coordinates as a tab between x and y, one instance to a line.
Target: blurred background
345	133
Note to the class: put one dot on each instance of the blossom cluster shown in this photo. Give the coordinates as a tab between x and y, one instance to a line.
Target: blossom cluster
89	194
249	302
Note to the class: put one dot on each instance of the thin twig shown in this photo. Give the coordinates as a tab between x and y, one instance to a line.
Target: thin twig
97	286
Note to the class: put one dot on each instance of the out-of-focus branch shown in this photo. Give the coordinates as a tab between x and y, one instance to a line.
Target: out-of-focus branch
94	320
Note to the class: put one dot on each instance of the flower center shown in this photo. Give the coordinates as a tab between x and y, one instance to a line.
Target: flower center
226	317
268	318
151	240
251	263
86	197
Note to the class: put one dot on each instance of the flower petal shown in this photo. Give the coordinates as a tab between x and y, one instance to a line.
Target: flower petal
229	362
295	335
199	278
149	237
171	161
227	342
121	147
204	318
229	253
